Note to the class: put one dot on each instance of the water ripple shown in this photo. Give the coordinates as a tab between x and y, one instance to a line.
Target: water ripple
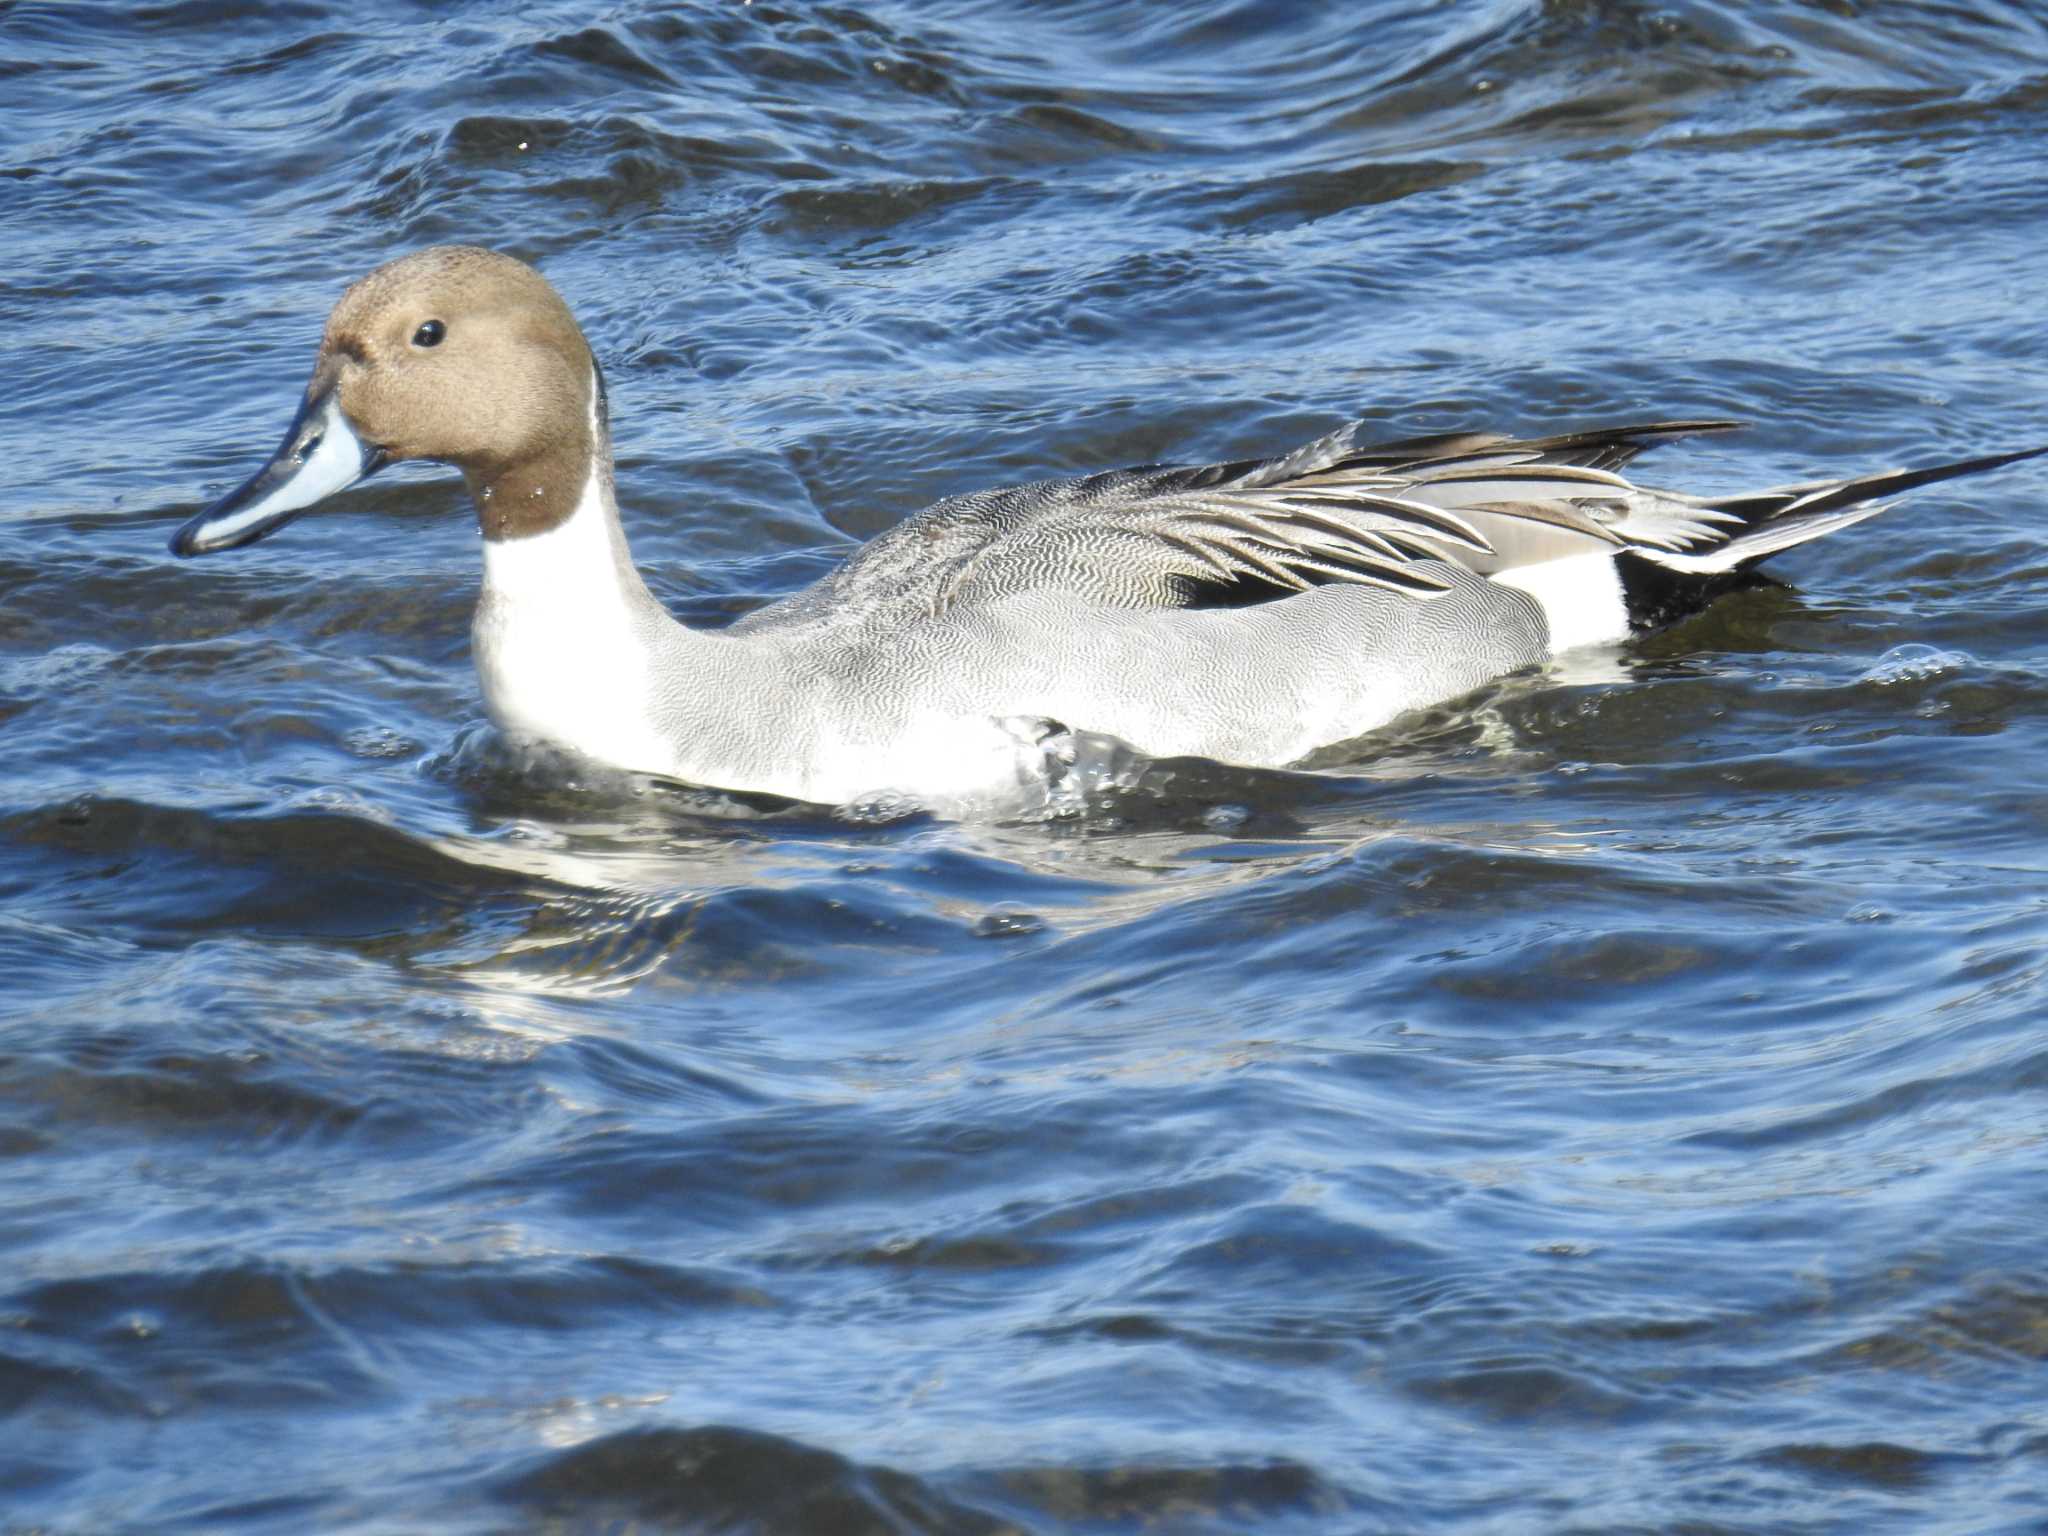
1608	1101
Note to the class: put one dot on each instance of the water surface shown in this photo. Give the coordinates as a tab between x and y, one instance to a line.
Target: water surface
1612	1102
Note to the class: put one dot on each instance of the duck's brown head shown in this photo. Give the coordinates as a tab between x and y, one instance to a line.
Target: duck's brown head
453	354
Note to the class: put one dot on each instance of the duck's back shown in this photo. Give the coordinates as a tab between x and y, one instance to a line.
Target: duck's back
1236	535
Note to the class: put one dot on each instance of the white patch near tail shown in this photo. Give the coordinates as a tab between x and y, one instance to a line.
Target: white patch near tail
1580	596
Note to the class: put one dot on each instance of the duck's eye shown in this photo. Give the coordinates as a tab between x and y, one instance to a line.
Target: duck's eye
429	334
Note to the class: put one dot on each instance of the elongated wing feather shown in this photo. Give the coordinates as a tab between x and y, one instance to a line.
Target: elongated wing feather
1395	515
1398	515
1383	514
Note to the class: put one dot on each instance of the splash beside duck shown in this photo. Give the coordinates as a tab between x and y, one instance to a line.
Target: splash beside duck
1250	612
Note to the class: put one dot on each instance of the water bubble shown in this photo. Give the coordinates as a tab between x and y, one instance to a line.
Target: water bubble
1913	662
1008	924
380	741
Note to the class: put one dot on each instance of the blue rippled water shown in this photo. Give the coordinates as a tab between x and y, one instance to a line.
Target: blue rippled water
1612	1102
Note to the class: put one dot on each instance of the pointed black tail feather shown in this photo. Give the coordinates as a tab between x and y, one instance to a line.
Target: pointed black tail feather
1892	482
1660	587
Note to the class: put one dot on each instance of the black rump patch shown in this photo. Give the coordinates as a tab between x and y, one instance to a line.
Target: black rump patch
1655	595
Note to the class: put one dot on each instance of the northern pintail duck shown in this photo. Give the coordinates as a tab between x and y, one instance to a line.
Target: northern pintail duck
1250	612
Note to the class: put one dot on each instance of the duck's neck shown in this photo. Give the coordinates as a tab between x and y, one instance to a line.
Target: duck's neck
576	568
572	648
566	633
563	465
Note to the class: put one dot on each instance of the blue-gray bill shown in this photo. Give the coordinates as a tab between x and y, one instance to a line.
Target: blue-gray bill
320	455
